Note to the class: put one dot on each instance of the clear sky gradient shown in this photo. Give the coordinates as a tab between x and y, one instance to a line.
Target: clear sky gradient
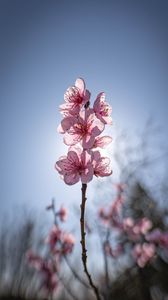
120	47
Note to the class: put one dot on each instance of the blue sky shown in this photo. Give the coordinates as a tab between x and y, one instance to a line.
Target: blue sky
120	47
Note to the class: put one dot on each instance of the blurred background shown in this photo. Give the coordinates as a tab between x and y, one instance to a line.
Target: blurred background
121	48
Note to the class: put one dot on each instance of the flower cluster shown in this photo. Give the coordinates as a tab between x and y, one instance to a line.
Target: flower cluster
60	244
47	269
81	127
144	240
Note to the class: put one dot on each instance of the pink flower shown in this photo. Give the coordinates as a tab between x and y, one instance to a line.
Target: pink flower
102	109
154	236
158	237
47	270
145	225
164	240
101	165
75	166
143	253
62	213
50	280
75	97
54	237
85	128
102	141
68	242
128	223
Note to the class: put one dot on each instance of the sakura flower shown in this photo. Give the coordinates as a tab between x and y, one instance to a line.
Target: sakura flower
47	269
145	225
143	253
102	109
164	240
158	237
154	236
102	141
75	97
49	278
85	128
62	213
139	228
68	242
75	166
54	237
101	165
128	224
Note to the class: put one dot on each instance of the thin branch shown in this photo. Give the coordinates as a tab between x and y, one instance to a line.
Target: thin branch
75	274
83	233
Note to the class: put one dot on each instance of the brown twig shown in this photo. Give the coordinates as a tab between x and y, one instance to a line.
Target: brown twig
84	256
75	274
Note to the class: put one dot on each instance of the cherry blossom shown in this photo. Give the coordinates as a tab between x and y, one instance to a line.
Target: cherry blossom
143	253
102	109
159	237
75	97
62	213
85	128
53	237
68	242
75	166
81	127
101	165
47	269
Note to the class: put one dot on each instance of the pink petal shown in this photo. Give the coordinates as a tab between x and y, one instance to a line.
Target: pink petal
71	179
60	165
66	123
77	148
107	120
102	141
96	155
87	174
88	141
102	167
86	158
73	157
80	84
100	97
70	139
60	129
97	126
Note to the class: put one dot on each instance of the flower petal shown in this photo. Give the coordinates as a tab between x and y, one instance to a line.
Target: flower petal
102	141
87	174
71	179
71	139
80	84
88	141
